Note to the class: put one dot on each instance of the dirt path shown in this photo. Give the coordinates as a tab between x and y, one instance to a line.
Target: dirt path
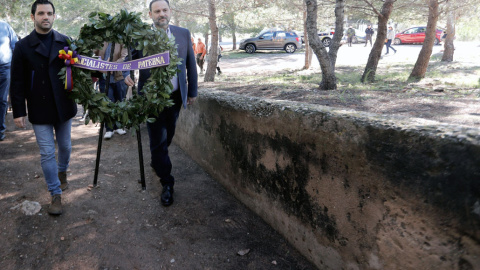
119	226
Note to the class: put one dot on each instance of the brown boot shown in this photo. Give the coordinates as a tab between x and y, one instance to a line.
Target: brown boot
63	180
55	207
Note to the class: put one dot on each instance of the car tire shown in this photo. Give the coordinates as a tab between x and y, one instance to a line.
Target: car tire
326	42
397	41
290	48
250	48
355	40
436	42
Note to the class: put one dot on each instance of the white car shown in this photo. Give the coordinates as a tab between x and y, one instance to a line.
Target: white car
326	37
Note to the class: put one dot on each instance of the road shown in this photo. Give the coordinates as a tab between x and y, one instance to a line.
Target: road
468	53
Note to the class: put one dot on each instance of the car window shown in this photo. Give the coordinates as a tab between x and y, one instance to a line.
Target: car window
411	31
280	35
291	34
421	30
268	35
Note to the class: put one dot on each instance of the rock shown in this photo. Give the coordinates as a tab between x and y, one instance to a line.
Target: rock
28	208
243	252
92	212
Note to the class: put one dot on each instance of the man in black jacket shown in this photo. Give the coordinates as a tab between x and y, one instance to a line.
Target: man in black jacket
368	35
34	79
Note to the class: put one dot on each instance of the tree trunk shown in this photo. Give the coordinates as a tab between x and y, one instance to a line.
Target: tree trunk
234	32
234	40
449	48
207	31
329	81
176	20
213	52
337	37
421	65
376	52
308	50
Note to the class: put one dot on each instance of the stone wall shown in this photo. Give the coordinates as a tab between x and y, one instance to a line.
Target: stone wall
349	190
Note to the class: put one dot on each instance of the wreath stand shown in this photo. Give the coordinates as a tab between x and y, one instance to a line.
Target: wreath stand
123	28
102	126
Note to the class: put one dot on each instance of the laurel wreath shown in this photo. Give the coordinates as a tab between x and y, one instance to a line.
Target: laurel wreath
127	29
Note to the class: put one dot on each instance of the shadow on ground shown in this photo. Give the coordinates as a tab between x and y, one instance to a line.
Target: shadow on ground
119	226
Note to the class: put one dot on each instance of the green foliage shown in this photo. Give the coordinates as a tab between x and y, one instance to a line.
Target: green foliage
468	29
128	29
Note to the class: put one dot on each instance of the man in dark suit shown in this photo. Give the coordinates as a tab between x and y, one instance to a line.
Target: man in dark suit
34	79
184	93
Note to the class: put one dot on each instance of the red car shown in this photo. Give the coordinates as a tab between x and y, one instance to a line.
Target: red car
415	35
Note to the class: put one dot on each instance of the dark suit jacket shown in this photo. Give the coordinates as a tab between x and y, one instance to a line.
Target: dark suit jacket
34	78
187	76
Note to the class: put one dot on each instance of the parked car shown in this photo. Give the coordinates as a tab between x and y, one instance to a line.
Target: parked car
326	37
416	35
358	38
272	40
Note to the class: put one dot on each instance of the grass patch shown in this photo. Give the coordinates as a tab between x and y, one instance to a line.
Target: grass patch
389	78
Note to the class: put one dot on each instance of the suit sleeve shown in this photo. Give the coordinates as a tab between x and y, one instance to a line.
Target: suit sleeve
191	65
18	87
204	50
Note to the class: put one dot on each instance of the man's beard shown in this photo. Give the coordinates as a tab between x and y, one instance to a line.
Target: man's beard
44	28
160	24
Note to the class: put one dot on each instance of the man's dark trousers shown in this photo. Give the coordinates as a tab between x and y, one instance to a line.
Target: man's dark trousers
164	129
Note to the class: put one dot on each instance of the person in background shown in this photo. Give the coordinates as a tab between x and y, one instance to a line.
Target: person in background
8	38
368	35
390	38
220	49
200	54
117	89
350	35
35	68
184	93
194	46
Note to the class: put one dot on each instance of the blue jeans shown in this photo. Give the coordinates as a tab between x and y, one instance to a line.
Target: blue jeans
4	85
389	45
46	143
161	134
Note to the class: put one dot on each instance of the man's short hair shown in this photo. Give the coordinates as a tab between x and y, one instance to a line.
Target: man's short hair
153	1
42	2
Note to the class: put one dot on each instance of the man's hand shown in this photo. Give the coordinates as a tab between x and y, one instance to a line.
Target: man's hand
129	81
190	100
20	122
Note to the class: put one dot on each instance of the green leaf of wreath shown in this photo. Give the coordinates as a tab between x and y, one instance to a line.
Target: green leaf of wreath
126	28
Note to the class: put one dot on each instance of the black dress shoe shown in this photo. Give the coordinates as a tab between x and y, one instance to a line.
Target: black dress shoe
167	196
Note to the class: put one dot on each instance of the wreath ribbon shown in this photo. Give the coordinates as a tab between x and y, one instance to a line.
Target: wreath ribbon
70	58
